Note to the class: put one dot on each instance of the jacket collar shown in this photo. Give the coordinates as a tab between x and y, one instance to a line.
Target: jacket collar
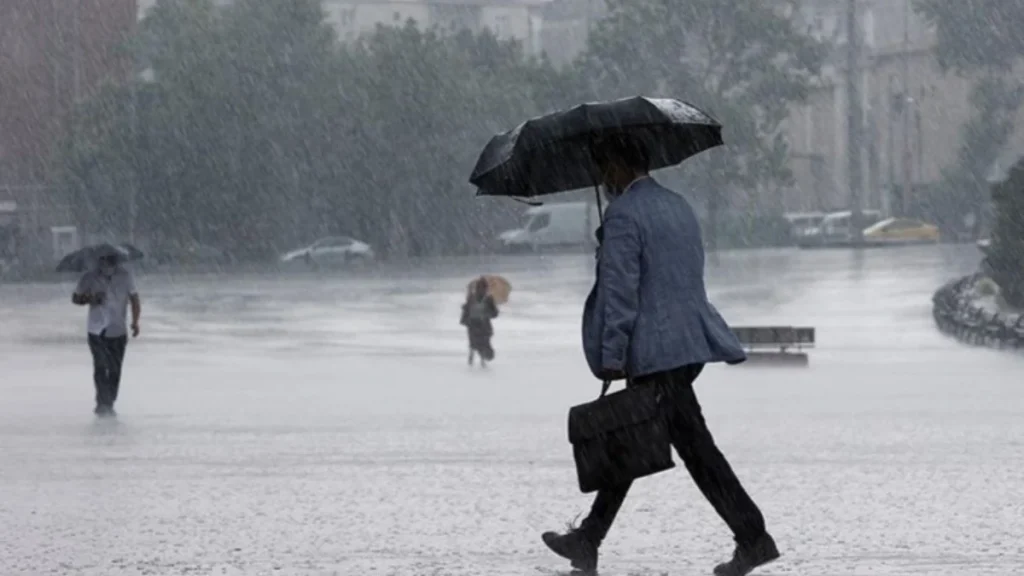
640	181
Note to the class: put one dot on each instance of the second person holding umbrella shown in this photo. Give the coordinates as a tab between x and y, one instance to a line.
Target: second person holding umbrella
478	310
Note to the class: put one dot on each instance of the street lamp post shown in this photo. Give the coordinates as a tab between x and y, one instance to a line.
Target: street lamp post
144	77
908	101
891	152
854	120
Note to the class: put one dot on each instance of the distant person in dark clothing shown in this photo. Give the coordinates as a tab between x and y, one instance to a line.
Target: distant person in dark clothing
107	290
477	313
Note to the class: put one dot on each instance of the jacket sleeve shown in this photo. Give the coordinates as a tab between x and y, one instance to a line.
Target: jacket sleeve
619	281
492	308
464	318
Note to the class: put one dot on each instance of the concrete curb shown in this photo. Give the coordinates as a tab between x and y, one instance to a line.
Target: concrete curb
957	314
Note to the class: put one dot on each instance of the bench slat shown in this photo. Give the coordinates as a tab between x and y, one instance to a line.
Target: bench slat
775	336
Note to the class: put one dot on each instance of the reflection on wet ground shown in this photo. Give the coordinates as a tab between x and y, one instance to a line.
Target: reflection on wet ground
410	310
327	424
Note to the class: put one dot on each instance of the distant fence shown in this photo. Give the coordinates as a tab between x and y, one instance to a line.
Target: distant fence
956	313
35	206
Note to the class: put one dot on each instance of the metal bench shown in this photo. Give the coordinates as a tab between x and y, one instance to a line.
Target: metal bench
780	344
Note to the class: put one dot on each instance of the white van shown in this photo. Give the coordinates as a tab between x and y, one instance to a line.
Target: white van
835	230
836	226
803	224
564	224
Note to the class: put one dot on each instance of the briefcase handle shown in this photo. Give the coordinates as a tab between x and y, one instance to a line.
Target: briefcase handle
606	384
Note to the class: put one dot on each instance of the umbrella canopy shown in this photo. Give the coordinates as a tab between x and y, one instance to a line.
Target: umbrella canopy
86	258
551	153
498	287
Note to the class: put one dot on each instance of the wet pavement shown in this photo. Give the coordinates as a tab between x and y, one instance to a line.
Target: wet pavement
328	424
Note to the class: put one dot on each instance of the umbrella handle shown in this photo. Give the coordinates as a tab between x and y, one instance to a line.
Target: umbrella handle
600	209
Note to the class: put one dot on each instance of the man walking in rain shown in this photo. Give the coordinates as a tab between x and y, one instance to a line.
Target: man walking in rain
648	320
107	290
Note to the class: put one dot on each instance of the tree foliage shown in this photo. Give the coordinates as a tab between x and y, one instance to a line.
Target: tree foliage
1006	258
965	188
979	40
743	61
976	34
261	131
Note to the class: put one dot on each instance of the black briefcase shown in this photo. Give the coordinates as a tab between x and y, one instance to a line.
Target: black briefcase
619	437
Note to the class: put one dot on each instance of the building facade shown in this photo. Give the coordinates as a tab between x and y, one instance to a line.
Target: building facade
912	110
511	19
522	20
53	53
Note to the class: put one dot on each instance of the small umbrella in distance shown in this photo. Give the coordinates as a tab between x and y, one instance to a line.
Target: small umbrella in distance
498	287
551	153
86	258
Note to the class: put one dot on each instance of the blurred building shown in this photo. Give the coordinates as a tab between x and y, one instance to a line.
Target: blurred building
556	27
53	53
566	26
905	98
508	19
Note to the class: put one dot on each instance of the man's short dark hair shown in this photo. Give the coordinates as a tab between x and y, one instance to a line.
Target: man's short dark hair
622	149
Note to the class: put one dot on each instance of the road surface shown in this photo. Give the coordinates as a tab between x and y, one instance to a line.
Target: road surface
319	425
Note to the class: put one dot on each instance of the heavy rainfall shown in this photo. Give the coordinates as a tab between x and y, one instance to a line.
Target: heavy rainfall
324	287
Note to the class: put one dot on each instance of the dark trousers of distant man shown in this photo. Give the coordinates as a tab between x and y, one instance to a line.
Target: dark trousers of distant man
695	446
107	358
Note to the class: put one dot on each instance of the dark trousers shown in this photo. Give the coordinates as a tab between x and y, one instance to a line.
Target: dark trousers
479	335
695	446
107	357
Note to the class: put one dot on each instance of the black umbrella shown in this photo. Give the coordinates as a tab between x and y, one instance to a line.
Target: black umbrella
87	258
551	153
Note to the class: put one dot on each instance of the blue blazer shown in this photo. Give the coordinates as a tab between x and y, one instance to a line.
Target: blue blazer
648	311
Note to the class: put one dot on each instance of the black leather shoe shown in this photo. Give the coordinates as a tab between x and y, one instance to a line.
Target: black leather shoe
574	547
748	557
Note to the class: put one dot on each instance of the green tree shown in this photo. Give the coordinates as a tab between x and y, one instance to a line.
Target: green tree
743	61
975	34
261	131
984	44
96	166
1006	258
280	128
433	100
964	187
234	143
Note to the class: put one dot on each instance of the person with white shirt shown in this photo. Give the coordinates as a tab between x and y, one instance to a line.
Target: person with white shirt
107	290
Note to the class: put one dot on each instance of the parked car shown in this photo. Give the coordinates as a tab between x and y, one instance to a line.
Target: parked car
190	255
836	229
803	224
901	231
330	251
554	225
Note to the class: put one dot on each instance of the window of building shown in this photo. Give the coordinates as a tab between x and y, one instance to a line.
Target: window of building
539	222
501	25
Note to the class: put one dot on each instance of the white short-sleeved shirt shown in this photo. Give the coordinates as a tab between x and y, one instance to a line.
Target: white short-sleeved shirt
110	318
